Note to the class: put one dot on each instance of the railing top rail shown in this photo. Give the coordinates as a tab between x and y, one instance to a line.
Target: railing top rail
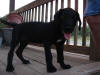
32	5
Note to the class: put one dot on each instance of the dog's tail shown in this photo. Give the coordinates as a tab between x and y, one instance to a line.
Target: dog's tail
8	23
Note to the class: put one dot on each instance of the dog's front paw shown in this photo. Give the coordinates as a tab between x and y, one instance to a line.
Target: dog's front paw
51	69
10	68
26	62
64	66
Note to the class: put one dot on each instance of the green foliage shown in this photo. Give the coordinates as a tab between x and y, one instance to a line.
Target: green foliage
3	25
80	32
87	31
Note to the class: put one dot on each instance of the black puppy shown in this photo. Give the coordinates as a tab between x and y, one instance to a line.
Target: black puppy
54	32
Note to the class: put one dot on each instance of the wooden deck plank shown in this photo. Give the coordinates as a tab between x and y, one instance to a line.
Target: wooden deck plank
37	59
68	59
20	69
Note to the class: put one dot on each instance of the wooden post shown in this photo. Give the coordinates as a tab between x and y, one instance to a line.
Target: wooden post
11	5
84	27
76	28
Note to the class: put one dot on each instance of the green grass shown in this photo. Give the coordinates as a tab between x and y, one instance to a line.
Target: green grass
80	40
3	25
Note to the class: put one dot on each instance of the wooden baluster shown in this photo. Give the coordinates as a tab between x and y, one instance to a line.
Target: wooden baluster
56	5
62	3
46	13
84	27
51	10
42	19
35	13
76	28
28	15
39	13
23	16
32	14
69	3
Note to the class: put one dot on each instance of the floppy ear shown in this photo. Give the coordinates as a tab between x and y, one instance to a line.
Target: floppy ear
58	15
79	20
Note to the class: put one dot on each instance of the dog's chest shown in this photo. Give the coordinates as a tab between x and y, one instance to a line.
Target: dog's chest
59	40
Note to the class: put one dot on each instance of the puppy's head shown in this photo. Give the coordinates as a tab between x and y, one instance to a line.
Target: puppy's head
67	18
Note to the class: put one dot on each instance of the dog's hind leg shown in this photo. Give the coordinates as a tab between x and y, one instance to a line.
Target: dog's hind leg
10	67
20	51
48	56
60	55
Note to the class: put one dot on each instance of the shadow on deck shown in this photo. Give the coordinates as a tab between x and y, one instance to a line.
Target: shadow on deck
80	63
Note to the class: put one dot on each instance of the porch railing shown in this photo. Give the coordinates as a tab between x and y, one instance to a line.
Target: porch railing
44	10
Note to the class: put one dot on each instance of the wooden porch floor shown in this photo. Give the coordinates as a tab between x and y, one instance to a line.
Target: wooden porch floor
80	63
